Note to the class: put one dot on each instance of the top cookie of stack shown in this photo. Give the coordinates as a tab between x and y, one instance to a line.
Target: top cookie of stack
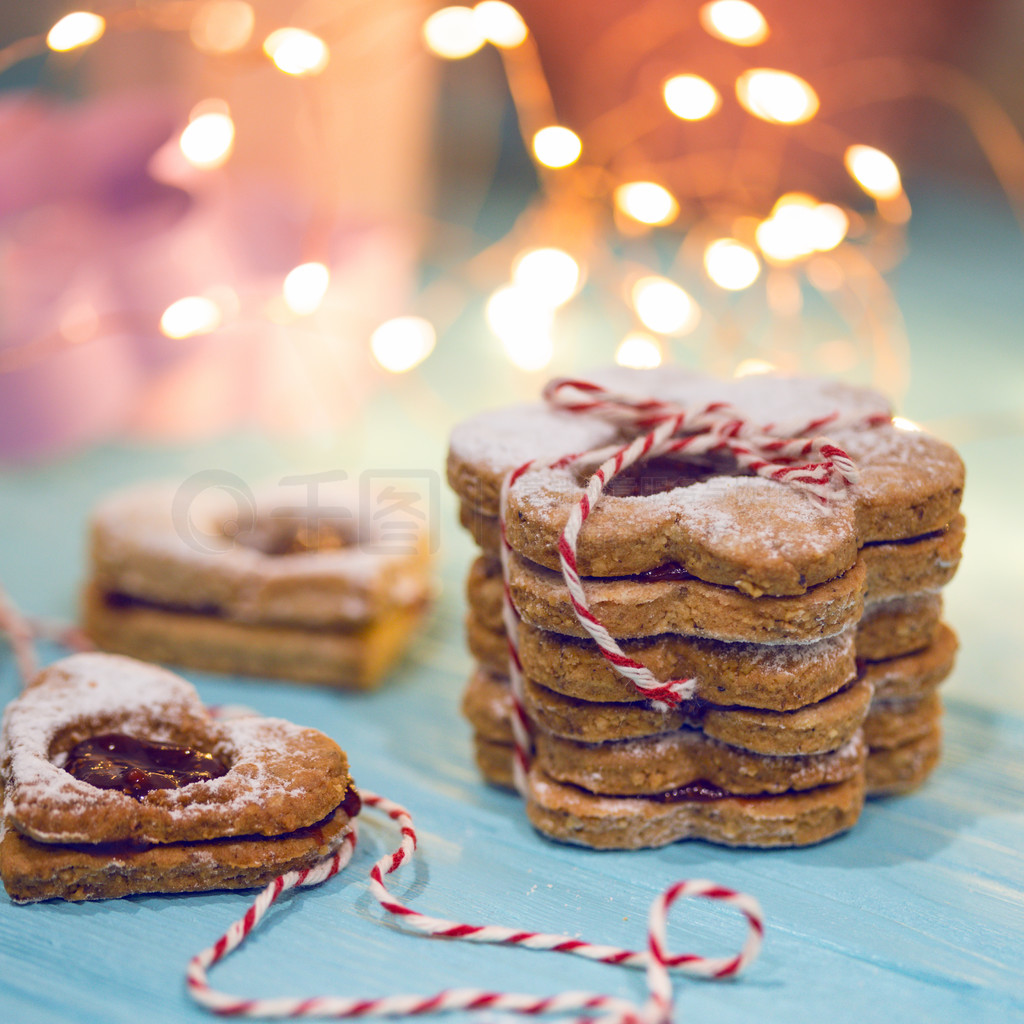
699	569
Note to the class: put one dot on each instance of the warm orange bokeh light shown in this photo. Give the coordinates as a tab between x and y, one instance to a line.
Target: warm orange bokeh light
80	28
209	137
798	226
639	350
691	97
305	286
500	23
646	202
550	274
556	146
663	306
296	51
778	97
874	171
403	343
454	32
731	265
524	323
195	314
734	21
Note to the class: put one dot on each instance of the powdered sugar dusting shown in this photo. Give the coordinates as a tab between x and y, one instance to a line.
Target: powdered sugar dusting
502	439
499	440
888	444
895	463
743	518
87	694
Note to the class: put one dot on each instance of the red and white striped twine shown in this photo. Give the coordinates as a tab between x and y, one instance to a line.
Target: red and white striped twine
656	959
23	631
790	453
784	453
20	635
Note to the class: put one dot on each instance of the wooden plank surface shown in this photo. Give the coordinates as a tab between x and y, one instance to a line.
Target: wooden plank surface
920	907
916	916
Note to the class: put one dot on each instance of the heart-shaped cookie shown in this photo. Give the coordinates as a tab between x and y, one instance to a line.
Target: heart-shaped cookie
285	791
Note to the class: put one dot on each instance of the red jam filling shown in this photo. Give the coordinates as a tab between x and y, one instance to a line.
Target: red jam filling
352	804
135	767
667	572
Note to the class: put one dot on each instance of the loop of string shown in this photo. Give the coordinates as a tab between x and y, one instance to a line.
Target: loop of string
791	453
656	959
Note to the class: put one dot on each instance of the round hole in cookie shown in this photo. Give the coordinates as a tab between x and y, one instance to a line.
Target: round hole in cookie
656	476
295	531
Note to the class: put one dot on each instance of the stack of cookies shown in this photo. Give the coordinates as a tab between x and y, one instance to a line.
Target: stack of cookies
911	534
811	630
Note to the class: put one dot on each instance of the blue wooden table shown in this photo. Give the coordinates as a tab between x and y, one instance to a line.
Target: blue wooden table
916	915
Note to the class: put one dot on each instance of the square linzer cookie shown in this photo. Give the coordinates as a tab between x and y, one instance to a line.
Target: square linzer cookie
783	587
116	780
255	582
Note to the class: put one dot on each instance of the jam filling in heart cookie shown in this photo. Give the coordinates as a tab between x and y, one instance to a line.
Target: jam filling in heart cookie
117	761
